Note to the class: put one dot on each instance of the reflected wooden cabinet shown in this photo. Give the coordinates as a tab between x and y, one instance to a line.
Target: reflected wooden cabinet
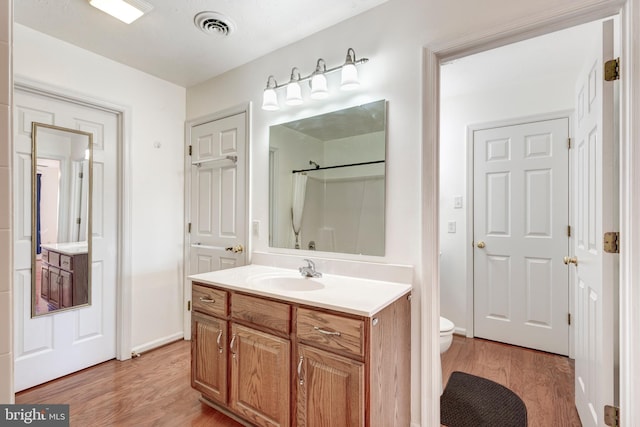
287	364
64	281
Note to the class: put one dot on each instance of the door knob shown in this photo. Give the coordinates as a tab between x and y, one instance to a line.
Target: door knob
238	249
570	260
481	244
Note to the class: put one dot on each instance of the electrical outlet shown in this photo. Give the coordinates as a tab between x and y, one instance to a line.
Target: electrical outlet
451	226
256	228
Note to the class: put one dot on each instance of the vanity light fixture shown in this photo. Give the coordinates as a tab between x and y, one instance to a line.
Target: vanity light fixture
318	82
294	92
350	72
125	10
270	97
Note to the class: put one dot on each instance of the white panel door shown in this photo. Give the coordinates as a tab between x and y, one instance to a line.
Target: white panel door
521	214
54	345
595	202
218	195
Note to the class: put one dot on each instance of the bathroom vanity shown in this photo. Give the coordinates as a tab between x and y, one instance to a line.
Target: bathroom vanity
65	274
272	348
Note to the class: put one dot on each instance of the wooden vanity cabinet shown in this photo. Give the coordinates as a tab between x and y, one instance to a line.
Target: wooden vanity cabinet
241	355
291	364
64	280
209	356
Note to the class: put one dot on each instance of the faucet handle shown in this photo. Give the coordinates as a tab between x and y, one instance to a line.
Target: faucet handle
310	264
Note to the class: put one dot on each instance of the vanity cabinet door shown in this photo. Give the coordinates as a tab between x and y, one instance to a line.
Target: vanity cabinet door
44	283
260	377
330	389
209	356
54	286
66	289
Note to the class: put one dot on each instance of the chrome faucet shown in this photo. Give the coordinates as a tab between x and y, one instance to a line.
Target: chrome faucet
309	270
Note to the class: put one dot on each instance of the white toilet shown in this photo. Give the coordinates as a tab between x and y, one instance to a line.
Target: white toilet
446	333
446	337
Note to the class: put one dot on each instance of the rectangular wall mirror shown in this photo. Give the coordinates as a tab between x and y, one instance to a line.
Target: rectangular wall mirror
327	181
61	179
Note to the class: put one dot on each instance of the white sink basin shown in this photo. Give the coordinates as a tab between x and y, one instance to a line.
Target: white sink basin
286	283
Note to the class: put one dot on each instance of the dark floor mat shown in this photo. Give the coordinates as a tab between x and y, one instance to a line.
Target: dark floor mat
471	401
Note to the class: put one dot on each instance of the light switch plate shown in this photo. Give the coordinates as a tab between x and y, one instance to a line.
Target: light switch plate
457	202
451	226
256	228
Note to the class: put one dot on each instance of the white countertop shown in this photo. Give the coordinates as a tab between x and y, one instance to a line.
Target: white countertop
71	248
353	295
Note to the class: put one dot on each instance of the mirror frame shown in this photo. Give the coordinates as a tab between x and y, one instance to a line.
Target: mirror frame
34	165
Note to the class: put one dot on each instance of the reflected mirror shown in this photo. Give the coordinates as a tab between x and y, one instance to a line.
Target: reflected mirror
60	216
327	181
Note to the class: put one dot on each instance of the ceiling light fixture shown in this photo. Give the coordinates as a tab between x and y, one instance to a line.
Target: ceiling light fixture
318	82
125	10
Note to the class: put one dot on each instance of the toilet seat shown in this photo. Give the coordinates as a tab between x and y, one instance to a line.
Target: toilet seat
446	326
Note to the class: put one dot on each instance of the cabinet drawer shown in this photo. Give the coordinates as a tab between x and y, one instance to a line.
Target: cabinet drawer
45	255
261	312
331	331
54	259
209	300
66	262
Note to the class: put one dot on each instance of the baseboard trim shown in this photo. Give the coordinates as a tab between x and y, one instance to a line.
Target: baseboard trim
158	343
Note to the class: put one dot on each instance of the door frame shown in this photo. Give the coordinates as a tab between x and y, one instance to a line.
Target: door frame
188	127
562	114
552	19
124	198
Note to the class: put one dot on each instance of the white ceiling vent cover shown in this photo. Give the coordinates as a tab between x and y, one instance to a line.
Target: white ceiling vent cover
214	23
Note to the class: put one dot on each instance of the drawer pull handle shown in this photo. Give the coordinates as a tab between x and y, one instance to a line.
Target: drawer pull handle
220	349
301	380
325	332
203	299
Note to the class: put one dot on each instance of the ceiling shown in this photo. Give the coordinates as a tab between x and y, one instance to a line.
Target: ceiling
561	53
167	44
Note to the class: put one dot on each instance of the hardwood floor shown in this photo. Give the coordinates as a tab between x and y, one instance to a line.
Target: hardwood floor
543	381
153	389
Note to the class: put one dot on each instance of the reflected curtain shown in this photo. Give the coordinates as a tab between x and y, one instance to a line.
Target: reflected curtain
297	204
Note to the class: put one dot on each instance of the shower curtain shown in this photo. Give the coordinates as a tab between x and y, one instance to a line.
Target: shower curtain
297	204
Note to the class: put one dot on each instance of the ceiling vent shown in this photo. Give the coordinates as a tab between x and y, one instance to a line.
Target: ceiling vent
214	23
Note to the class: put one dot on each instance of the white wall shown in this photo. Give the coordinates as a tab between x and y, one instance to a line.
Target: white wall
457	113
157	110
392	36
6	241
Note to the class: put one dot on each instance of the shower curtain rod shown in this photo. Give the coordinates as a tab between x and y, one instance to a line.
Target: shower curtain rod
337	166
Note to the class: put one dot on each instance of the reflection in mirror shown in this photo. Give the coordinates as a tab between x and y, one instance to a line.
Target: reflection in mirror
60	212
327	181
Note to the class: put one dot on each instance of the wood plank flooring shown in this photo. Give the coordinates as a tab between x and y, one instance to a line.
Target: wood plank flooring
543	381
155	389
